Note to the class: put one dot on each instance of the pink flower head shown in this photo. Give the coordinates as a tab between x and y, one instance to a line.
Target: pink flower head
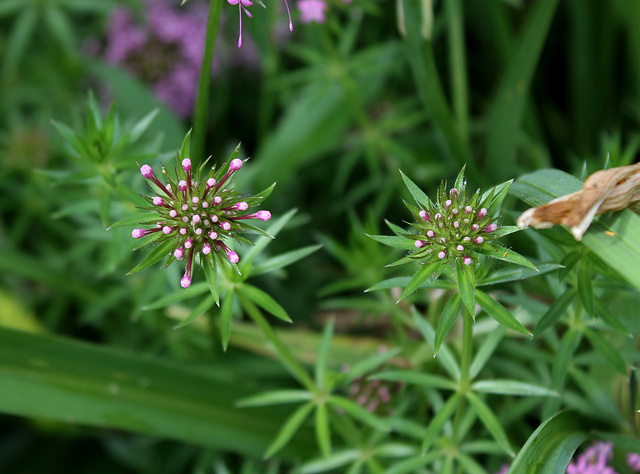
235	164
158	201
481	213
420	243
186	164
241	206
467	260
312	10
491	228
424	215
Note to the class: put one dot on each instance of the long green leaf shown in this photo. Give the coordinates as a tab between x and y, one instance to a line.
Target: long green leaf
550	448
438	421
263	300
69	381
556	310
606	350
447	320
507	110
290	427
422	275
467	286
159	252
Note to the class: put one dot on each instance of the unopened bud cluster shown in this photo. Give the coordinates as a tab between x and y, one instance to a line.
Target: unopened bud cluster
453	228
198	213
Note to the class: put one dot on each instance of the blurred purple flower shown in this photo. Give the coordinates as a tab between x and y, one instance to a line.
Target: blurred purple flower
633	461
312	10
594	460
165	53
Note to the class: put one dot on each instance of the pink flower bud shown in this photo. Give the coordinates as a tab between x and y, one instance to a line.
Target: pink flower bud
478	240
158	201
424	215
182	185
459	248
188	243
438	216
146	171
213	235
491	227
195	199
481	213
217	200
225	225
166	230
138	233
233	257
173	213
183	231
447	203
419	243
468	210
442	254
206	249
453	192
431	234
185	282
467	260
186	164
211	183
235	164
263	215
475	227
179	253
241	206
196	219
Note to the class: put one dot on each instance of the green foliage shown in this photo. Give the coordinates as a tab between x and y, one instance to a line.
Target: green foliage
329	346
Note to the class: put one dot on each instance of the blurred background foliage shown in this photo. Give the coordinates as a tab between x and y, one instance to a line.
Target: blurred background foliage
330	111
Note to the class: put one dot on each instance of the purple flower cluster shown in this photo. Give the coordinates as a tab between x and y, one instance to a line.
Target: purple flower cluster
166	52
196	213
594	460
312	10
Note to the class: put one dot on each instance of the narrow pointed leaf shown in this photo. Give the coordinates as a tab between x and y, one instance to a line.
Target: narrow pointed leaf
466	286
211	274
275	397
447	320
395	241
415	191
289	428
416	378
512	387
358	412
159	252
499	312
322	362
486	349
438	421
323	431
585	288
444	356
606	350
263	300
284	259
556	310
490	422
226	317
137	219
422	275
502	253
204	306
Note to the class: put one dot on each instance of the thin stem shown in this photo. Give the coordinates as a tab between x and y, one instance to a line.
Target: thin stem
465	368
202	104
286	357
457	66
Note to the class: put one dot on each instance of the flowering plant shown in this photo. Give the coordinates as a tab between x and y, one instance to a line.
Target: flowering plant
196	214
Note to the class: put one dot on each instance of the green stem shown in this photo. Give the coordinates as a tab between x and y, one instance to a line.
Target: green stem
465	368
286	357
457	66
202	104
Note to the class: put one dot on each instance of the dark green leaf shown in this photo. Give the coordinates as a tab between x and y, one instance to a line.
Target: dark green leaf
159	252
499	312
555	311
447	320
424	273
467	286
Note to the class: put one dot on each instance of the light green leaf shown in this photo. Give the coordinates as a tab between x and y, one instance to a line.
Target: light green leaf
424	273
226	318
467	286
499	312
490	422
323	430
322	362
276	397
395	241
512	387
445	357
263	300
556	310
284	259
137	219
204	306
507	274
486	350
416	378
415	191
358	412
